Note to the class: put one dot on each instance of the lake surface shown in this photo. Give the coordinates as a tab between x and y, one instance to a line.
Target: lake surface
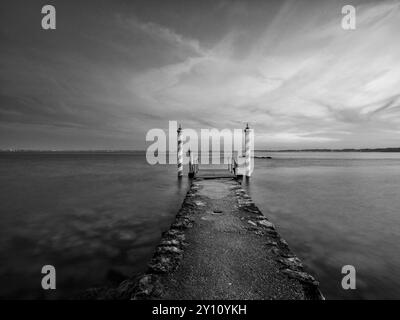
337	209
97	217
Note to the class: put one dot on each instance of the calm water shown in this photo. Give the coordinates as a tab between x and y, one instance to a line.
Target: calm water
95	217
98	217
337	209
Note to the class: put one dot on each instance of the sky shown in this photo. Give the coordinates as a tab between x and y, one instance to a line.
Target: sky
113	70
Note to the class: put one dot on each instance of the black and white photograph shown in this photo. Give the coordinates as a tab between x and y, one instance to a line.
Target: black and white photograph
169	152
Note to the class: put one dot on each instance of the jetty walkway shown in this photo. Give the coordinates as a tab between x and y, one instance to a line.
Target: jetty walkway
222	247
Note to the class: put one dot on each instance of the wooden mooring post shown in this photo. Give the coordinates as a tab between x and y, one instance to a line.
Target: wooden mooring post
193	165
180	152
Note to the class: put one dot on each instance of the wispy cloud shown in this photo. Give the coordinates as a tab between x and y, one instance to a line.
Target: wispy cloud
354	76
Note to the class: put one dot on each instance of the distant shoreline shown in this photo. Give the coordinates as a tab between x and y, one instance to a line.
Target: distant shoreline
336	150
141	151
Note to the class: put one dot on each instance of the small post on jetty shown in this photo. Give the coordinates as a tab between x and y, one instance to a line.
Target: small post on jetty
191	165
180	152
248	151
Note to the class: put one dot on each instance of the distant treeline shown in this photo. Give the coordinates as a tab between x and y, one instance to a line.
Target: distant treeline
71	151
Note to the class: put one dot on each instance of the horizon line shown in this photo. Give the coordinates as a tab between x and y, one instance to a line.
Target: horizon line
382	149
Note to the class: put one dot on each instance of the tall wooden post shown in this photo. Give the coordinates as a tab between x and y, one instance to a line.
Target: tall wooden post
180	152
248	151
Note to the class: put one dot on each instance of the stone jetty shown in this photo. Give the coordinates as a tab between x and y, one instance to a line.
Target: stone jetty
220	247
